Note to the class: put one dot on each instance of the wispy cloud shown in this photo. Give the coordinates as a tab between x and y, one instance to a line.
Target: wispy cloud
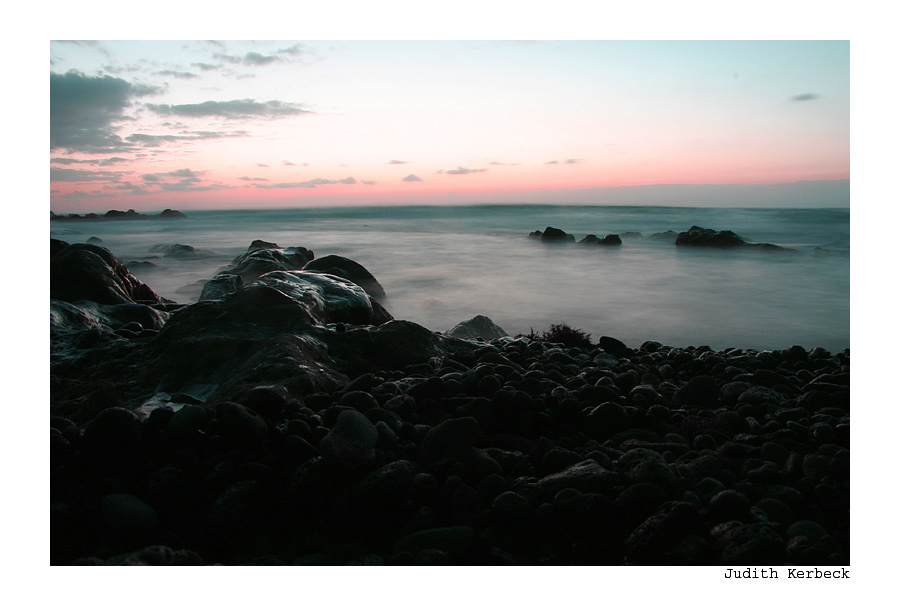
411	177
465	171
146	140
235	109
183	179
98	162
76	175
309	184
176	74
503	164
398	162
805	97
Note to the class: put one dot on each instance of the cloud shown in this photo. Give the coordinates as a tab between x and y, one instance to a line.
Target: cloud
101	162
503	164
411	177
255	59
85	110
553	162
288	163
465	171
364	182
146	140
176	74
76	175
805	97
398	162
309	184
183	179
236	109
573	161
252	179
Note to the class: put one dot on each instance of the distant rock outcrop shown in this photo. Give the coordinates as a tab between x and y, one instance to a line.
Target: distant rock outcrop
609	240
552	234
699	236
119	215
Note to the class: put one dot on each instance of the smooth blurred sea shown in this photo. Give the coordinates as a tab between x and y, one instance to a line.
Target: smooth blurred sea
441	265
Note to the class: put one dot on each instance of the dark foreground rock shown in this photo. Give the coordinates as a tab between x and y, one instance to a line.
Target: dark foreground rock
280	423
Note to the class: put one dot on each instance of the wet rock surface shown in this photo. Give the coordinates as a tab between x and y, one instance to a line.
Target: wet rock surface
280	424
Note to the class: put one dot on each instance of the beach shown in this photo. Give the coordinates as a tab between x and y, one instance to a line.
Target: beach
290	414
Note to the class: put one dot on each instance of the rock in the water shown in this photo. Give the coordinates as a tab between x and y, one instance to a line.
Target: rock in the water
479	327
349	270
608	240
552	234
178	251
699	236
172	214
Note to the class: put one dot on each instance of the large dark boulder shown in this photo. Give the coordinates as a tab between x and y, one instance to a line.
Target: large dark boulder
699	236
328	298
88	272
221	285
349	270
552	234
258	261
257	335
390	346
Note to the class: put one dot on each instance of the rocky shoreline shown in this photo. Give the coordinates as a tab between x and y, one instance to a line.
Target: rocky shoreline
288	418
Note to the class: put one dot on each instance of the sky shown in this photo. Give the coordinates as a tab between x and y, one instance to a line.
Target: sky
242	124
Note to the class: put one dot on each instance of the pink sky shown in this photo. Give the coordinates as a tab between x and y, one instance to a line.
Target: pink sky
189	125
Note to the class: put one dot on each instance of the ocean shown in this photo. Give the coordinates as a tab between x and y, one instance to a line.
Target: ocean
440	265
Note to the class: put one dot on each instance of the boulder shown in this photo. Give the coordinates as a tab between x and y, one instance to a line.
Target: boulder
351	442
348	270
699	236
393	345
328	298
552	234
479	327
258	261
88	272
221	285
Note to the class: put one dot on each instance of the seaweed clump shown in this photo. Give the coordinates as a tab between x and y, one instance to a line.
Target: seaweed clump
563	334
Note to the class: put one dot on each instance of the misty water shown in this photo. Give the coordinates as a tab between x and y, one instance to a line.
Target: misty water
440	265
